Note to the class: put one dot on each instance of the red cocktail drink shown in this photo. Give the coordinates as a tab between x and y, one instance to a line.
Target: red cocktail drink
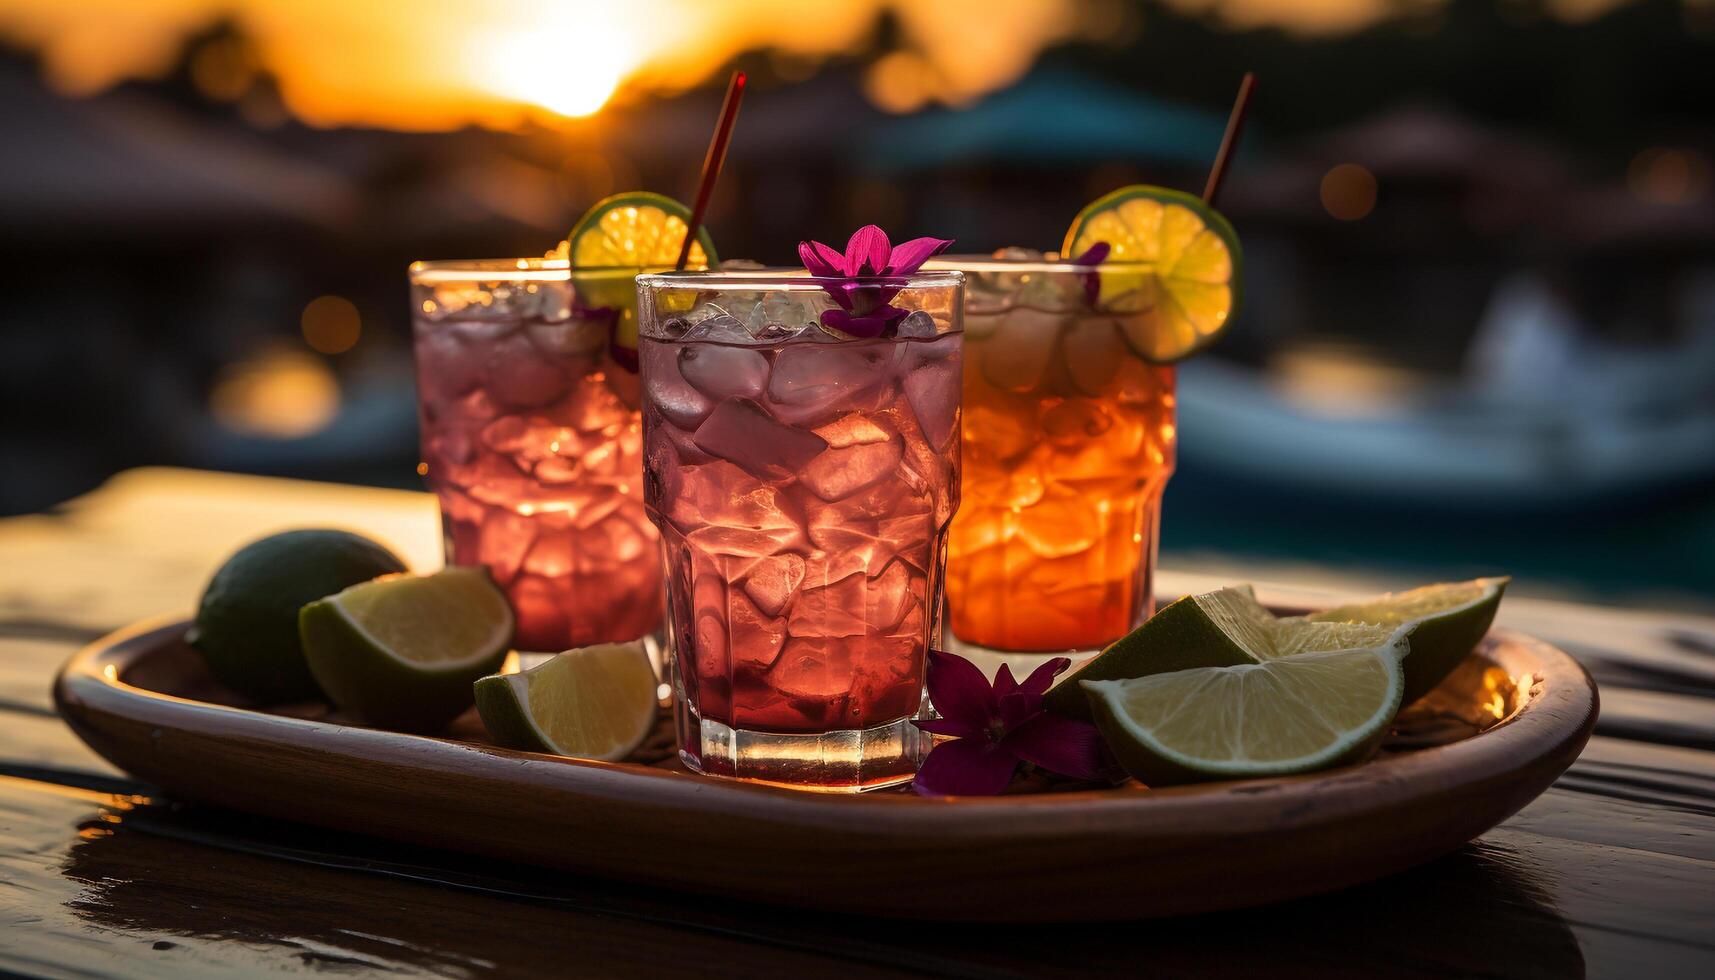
802	481
531	440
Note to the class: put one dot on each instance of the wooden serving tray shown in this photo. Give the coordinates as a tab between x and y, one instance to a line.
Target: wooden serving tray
1466	757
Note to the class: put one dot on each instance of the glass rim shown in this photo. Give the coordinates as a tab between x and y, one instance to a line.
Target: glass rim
539	269
791	279
988	263
488	270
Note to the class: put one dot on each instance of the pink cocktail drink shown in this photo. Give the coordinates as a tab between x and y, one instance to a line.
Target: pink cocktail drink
532	442
803	483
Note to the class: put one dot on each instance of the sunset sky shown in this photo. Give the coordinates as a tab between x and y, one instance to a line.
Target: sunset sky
431	64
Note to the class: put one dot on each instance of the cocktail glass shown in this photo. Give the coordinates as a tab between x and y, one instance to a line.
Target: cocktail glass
532	442
802	482
1068	444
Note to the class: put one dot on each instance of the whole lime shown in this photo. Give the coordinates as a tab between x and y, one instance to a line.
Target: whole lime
247	622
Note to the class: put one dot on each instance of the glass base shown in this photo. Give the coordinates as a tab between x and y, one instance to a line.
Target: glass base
851	761
1021	662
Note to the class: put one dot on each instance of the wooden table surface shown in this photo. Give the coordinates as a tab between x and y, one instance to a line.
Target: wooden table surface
1610	873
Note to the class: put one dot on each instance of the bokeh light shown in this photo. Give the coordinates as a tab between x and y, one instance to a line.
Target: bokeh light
331	324
277	394
1666	175
900	82
1348	191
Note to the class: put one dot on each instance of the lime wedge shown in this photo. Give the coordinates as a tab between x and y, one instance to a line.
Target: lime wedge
1446	622
594	702
402	651
1224	628
1171	277
1295	714
622	236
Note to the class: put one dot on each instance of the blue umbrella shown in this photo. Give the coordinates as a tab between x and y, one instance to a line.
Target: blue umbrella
1053	116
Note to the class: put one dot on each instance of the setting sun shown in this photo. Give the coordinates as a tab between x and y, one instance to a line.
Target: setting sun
571	69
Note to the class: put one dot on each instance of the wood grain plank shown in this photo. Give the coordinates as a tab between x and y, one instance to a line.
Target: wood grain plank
87	894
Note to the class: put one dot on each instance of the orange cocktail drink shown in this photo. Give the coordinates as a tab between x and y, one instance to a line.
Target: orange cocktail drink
1068	441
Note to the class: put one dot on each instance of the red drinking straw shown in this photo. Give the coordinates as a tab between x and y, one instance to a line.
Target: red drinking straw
712	163
1235	124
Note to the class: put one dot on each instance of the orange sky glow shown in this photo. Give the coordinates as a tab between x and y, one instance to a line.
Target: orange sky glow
436	64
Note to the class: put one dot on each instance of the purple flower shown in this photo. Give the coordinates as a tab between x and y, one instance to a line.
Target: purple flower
997	727
872	273
1093	256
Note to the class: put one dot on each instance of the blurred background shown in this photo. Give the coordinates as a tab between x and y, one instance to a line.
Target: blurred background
1479	330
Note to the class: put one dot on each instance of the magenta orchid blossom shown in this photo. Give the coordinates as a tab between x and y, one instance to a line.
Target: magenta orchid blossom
1093	256
995	727
872	272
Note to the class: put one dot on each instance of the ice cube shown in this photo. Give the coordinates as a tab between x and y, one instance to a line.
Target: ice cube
997	435
671	328
918	324
446	366
862	452
520	376
755	637
1122	449
814	333
682	442
1075	421
527	439
551	555
812	383
559	470
589	504
579	336
1062	523
742	431
478	404
591	406
506	537
796	308
1016	357
774	581
918	353
482	330
495	480
887	597
871	528
724	372
711	323
773	333
726	511
815	668
452	447
668	390
837	609
1094	352
933	391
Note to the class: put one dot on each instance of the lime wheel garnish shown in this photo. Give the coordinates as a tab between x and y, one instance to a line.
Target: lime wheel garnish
1171	276
622	236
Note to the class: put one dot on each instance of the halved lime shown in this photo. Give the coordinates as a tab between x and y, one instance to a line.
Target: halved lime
1224	628
402	651
1172	273
630	233
1294	714
1447	621
595	702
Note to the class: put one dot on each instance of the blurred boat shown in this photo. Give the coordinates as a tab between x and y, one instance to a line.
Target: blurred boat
1603	430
